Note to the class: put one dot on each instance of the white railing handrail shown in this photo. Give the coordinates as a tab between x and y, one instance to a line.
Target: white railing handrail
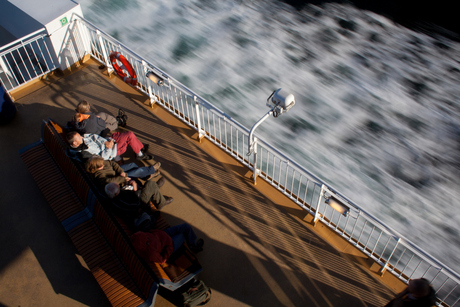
22	39
25	59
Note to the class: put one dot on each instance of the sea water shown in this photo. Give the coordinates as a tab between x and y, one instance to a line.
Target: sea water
377	111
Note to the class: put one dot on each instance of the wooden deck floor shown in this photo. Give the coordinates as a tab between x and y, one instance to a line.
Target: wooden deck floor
259	250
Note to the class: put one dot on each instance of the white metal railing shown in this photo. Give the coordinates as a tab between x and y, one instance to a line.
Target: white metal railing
26	59
384	245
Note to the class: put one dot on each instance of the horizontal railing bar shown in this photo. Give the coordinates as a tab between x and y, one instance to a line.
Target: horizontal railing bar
19	40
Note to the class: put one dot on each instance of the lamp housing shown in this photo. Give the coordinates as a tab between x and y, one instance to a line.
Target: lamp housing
338	205
155	78
280	101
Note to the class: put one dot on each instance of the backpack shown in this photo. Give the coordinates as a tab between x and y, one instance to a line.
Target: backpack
197	295
122	118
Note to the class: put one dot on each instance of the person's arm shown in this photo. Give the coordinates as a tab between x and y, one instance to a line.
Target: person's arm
107	147
117	168
103	179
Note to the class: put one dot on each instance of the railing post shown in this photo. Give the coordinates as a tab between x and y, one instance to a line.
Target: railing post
252	142
384	268
152	97
84	34
198	118
104	52
321	196
7	73
255	171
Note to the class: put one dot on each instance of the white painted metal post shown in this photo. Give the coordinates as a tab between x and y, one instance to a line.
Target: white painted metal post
321	197
388	261
252	143
198	118
104	52
8	74
84	34
255	171
150	90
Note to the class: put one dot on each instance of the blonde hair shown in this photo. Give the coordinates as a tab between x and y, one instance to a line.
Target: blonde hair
76	117
93	164
83	107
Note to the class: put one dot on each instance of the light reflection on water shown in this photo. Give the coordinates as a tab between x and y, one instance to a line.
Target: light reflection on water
377	111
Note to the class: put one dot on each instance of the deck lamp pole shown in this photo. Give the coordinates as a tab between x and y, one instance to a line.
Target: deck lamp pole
279	102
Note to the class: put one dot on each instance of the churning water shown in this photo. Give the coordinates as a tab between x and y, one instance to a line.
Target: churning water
377	105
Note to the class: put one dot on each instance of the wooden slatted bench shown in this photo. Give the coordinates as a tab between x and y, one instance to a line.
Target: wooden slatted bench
101	238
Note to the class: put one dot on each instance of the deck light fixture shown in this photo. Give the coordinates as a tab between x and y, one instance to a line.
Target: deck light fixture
155	78
332	200
337	205
279	102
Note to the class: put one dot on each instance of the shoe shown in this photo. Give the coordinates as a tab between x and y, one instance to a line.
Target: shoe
144	157
147	178
157	166
198	246
145	148
167	202
161	182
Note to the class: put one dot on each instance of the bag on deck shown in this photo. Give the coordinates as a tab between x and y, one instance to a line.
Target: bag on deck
197	295
122	118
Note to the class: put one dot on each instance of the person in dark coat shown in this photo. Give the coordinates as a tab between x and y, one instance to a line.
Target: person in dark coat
86	122
89	124
106	171
418	293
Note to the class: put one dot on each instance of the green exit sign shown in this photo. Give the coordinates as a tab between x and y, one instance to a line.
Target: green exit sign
64	21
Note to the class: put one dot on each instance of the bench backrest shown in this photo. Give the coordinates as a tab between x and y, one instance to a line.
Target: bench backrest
142	274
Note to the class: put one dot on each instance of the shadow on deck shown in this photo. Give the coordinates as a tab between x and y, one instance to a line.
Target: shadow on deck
258	249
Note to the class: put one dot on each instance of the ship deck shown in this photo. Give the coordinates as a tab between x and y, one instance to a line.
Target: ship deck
260	248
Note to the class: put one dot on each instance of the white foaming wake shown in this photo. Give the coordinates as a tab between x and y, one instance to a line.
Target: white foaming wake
377	111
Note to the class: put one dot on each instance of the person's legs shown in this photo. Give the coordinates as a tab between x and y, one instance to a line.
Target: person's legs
186	230
178	240
128	167
127	138
110	121
151	191
132	170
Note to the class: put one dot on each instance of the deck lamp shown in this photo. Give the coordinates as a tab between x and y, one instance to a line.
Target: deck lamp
155	78
279	102
337	205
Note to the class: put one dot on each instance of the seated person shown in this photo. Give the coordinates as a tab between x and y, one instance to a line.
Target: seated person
91	124
418	293
92	144
130	192
156	246
104	171
84	121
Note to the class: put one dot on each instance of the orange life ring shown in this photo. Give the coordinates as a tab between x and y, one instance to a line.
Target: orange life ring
132	78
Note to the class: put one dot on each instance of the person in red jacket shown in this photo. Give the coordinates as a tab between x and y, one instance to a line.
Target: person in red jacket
156	246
